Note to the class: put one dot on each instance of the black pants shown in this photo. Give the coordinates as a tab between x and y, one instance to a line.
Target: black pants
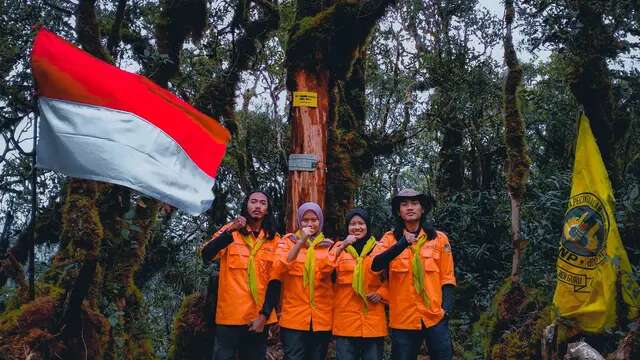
236	339
405	344
356	348
304	345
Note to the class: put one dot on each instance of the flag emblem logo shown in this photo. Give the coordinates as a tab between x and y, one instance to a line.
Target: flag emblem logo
585	230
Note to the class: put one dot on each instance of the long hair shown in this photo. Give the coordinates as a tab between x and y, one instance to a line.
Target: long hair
268	223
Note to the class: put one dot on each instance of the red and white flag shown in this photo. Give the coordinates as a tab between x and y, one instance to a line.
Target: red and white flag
103	123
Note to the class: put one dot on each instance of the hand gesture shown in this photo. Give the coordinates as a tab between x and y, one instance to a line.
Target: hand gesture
374	298
350	240
307	232
410	237
257	325
238	223
325	243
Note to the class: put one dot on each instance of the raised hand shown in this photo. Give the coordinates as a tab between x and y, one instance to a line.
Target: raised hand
238	223
350	240
307	232
410	237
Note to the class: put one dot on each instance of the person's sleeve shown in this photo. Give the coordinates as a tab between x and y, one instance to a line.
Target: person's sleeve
377	250
216	245
383	291
272	297
280	263
332	258
447	273
448	297
381	261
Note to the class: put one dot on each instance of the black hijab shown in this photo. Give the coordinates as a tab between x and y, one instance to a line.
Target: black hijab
358	245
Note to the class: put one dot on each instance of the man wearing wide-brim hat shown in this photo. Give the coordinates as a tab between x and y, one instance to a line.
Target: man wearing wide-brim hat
421	279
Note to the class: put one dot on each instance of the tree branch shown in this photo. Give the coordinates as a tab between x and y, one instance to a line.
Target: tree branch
218	96
114	35
88	30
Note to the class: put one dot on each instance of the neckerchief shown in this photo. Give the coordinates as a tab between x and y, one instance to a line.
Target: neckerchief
358	272
308	275
254	245
417	268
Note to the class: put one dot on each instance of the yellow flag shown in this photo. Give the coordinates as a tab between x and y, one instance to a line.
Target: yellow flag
591	253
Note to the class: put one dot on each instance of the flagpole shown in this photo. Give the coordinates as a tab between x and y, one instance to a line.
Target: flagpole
34	207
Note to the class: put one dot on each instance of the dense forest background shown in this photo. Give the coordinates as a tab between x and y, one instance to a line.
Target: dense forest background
417	98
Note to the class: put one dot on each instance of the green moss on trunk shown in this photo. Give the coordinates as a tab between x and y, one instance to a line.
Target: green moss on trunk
334	39
192	336
512	326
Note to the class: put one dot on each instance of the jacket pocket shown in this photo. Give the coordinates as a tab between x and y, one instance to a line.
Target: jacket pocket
430	257
401	263
345	271
238	257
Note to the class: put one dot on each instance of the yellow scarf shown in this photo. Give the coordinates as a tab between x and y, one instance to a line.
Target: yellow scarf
253	245
358	272
417	268
308	275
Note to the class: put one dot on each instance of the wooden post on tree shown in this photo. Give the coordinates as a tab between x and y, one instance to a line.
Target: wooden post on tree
308	136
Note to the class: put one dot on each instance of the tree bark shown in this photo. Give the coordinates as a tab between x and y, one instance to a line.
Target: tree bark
451	165
308	136
518	161
324	47
590	81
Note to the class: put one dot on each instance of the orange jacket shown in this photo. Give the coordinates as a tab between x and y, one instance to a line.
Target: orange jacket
235	303
297	312
406	308
349	317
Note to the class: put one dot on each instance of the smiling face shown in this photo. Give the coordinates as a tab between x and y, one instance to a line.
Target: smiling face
410	210
357	227
310	219
257	206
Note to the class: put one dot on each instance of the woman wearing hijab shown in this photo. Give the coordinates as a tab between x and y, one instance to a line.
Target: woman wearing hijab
359	321
303	268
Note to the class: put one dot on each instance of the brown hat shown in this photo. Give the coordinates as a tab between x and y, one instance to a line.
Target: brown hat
425	201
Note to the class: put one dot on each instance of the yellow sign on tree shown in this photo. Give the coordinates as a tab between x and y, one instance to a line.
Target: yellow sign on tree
305	98
592	257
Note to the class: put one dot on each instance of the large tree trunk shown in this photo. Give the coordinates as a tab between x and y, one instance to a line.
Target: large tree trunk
350	150
324	47
451	165
590	82
308	136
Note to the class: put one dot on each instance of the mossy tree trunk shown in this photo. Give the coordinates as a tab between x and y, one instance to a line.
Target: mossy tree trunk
87	304
47	231
513	325
518	162
590	80
325	55
450	165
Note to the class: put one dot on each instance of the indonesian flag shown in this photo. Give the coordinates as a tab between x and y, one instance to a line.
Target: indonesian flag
103	123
